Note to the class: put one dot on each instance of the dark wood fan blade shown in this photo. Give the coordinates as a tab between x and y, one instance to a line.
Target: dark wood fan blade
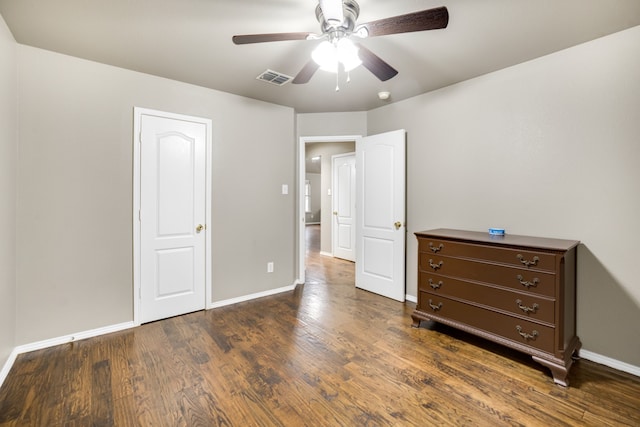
274	37
430	19
306	73
375	64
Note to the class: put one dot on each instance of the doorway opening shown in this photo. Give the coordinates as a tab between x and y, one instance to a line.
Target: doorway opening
321	148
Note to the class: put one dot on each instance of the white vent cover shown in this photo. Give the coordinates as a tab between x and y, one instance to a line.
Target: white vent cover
274	77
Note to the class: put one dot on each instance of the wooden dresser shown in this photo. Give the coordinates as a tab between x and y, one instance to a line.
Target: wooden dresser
518	291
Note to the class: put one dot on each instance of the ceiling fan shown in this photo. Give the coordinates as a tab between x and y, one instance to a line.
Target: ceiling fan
337	20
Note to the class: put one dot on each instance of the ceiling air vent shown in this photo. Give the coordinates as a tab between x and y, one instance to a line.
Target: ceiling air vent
274	77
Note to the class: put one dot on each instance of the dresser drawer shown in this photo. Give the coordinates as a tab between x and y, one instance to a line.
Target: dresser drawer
514	329
519	279
521	304
516	257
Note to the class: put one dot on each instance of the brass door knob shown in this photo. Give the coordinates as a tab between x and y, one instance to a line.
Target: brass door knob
335	213
397	224
199	228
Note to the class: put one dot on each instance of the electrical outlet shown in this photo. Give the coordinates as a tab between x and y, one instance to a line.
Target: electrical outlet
270	267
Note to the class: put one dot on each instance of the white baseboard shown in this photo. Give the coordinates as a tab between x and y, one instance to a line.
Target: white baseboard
39	345
326	253
249	297
74	337
610	362
7	366
411	298
585	354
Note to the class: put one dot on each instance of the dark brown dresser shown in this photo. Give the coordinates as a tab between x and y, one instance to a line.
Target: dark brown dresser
518	291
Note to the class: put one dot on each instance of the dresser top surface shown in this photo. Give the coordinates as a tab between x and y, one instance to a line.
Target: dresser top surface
506	240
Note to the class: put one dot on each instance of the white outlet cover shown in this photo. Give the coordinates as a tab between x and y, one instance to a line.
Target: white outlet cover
285	189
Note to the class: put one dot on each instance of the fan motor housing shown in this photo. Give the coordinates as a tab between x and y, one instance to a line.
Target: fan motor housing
351	11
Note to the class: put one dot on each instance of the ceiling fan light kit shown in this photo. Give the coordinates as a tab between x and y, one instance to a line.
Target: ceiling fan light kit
337	20
330	55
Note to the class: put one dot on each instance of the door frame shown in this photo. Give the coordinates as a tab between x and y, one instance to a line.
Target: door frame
138	112
300	216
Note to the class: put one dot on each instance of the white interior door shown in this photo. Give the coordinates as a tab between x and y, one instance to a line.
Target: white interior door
172	216
380	223
344	206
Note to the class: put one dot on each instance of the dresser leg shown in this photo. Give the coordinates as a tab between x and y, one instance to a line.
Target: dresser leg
416	322
559	371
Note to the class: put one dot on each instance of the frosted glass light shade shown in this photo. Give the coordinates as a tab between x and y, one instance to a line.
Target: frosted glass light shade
328	55
348	54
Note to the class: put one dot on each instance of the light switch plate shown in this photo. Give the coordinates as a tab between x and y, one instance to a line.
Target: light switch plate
285	189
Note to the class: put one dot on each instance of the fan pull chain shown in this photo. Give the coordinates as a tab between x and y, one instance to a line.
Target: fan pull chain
348	77
338	81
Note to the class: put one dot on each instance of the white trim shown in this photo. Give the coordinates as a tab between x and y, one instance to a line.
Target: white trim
410	298
8	365
610	362
585	354
323	253
39	345
137	121
300	217
230	301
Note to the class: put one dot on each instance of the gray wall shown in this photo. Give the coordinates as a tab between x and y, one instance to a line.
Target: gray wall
330	124
74	209
8	156
548	148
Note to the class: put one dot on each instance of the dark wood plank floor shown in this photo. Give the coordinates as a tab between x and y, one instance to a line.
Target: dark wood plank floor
325	354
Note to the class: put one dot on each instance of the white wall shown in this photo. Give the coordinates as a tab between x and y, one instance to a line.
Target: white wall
8	156
74	251
548	148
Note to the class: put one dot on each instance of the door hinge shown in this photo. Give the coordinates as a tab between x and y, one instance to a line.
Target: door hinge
140	137
139	215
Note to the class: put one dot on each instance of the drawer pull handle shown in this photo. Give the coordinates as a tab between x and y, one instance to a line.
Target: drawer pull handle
435	266
527	284
526	336
438	307
526	309
435	285
528	263
436	249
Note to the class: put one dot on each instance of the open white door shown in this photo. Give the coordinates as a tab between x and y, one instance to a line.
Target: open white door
380	214
344	206
172	215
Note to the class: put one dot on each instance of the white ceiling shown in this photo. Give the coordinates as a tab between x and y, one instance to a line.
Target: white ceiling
190	41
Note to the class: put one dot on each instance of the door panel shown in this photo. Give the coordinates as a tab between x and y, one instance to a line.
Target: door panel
380	220
172	201
344	203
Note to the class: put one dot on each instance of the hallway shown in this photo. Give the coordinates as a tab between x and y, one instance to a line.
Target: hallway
322	268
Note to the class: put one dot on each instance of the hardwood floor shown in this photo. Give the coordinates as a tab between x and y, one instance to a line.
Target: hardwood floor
325	354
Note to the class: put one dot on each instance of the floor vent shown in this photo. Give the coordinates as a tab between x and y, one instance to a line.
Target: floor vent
274	77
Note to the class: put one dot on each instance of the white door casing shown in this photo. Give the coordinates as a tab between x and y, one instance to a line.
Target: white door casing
380	208
302	141
172	265
343	192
